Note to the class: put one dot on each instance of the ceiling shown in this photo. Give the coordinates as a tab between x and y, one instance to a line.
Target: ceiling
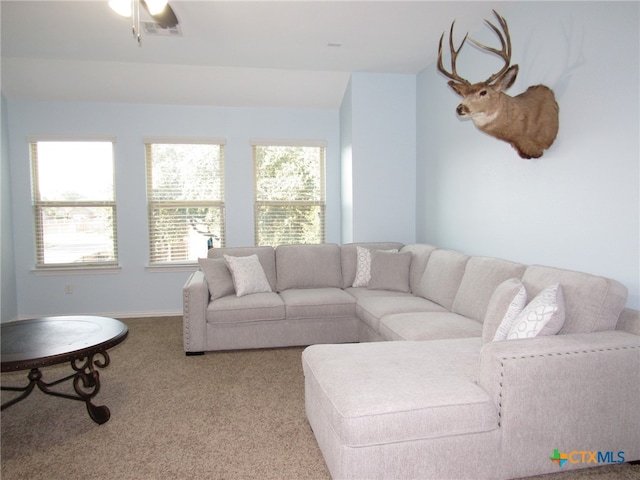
295	54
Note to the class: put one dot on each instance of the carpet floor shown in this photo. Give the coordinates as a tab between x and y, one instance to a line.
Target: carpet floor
225	415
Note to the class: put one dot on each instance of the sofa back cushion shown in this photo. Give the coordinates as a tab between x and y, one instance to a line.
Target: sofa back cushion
592	303
266	255
442	277
482	276
308	266
349	258
420	256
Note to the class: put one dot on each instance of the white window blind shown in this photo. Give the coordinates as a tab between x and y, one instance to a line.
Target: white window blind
74	203
290	194
185	196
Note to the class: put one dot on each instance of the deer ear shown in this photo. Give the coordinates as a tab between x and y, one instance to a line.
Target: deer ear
456	87
508	78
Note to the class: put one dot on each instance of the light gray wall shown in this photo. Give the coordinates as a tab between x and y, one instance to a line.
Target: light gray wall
136	290
378	126
577	207
8	293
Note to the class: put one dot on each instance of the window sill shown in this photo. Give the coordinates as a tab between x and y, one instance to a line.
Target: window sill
77	270
169	267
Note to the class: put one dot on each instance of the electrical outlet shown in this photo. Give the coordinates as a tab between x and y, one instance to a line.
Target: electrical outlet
68	289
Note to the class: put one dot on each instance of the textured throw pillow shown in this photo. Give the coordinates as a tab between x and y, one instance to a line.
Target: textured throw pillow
543	316
390	271
218	277
507	301
363	266
248	275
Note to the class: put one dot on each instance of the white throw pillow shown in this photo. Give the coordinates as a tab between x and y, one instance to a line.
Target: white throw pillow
543	316
363	266
248	275
517	304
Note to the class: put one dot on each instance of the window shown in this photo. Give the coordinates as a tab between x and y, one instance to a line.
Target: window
290	194
185	195
74	203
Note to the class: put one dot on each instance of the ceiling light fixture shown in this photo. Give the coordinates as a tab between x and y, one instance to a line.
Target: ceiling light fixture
159	10
155	6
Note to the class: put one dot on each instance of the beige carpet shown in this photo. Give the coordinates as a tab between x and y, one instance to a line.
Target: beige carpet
232	415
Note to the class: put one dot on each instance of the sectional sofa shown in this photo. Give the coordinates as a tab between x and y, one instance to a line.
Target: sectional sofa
430	363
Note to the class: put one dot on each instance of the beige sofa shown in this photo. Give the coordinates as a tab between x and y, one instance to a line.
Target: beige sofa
428	393
308	303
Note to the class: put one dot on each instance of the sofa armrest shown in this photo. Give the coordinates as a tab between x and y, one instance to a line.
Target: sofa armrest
629	321
578	392
195	298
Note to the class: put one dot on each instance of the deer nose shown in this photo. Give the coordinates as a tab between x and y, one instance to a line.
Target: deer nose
462	109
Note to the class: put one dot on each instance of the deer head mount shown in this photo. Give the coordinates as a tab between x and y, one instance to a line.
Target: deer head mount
529	121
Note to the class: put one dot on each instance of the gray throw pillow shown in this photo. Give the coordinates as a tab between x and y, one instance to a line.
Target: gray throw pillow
363	265
218	277
390	271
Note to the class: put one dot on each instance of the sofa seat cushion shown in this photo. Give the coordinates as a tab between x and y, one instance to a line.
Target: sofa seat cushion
428	326
249	308
318	303
389	392
371	309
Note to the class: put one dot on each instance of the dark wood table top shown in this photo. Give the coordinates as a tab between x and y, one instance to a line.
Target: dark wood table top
40	342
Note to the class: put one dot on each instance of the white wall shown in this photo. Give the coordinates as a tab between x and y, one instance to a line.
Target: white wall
577	207
136	290
378	126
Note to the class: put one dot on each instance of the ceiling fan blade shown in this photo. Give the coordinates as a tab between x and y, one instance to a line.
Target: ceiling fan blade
166	18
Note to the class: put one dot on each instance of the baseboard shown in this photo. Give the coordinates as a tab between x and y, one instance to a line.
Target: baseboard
118	315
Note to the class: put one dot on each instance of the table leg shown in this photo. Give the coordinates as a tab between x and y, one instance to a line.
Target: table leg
86	383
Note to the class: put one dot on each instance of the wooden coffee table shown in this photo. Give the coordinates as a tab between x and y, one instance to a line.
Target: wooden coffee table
41	342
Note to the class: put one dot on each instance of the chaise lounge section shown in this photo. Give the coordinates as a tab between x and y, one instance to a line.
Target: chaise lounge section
434	389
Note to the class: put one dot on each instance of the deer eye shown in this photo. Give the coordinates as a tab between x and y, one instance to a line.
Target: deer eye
483	93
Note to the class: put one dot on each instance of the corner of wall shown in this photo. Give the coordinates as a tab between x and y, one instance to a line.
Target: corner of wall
8	292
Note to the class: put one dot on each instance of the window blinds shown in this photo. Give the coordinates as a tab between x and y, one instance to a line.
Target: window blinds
74	203
185	197
289	193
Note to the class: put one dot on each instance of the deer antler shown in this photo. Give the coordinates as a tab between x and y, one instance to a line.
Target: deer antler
454	54
504	52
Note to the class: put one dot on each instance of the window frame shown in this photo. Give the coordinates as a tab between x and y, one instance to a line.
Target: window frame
154	204
322	203
38	205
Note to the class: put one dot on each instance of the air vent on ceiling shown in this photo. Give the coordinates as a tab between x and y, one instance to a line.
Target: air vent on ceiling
153	28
